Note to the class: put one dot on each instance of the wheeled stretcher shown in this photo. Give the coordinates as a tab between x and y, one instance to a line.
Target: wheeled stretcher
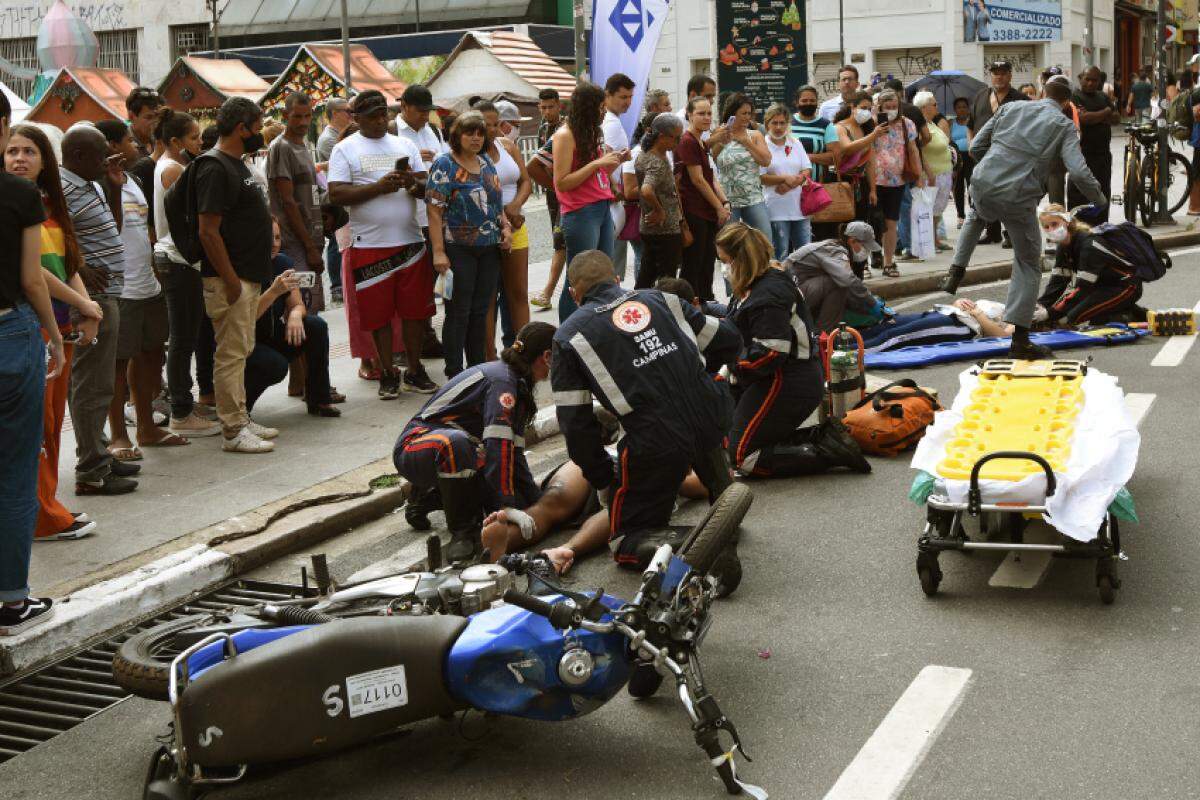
1023	441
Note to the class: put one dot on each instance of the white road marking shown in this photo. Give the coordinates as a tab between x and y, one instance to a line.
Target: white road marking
892	754
1185	251
1025	570
1176	349
1138	404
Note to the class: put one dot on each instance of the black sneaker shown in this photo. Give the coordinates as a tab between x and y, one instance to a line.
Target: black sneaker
111	484
1028	351
31	611
389	385
418	382
76	530
124	469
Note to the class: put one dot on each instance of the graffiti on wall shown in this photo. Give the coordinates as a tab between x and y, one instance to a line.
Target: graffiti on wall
23	20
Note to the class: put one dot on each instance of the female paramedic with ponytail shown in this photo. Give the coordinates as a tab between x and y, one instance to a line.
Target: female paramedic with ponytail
1090	282
467	442
777	381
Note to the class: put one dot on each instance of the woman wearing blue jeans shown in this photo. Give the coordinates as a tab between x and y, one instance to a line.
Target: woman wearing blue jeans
581	182
741	153
24	303
467	230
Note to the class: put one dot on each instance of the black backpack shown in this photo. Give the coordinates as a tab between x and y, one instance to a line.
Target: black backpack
179	204
1134	247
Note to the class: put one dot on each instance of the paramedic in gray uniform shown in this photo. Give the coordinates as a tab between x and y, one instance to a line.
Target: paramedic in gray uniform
1013	153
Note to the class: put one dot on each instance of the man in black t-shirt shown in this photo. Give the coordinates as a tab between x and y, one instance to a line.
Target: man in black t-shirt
235	232
1097	113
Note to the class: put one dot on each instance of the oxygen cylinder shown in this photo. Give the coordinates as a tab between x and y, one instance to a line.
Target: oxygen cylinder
846	379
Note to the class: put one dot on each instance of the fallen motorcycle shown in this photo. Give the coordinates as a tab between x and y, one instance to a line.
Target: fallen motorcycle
465	641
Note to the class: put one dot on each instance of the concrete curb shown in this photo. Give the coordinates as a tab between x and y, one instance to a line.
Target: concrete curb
145	584
923	283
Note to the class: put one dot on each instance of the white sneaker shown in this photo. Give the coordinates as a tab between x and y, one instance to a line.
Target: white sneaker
193	425
262	431
246	442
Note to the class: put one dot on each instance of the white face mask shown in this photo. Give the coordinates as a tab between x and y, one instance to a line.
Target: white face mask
724	270
1057	235
858	256
862	115
892	114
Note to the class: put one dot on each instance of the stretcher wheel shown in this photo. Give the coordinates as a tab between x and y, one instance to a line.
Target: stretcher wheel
928	573
1107	581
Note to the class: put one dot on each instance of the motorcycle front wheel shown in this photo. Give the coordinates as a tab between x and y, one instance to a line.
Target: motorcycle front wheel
142	664
718	530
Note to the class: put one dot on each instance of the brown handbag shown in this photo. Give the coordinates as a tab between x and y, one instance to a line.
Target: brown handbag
842	207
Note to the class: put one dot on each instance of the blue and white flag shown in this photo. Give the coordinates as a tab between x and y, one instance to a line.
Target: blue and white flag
624	38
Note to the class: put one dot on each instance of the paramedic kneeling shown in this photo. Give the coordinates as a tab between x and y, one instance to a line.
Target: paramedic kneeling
1090	281
640	354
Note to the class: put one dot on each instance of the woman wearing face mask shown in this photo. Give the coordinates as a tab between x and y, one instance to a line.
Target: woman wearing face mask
515	188
789	170
29	155
180	135
1088	283
777	380
857	133
819	138
893	147
740	157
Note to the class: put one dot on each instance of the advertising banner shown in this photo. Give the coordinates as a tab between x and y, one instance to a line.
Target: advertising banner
1012	21
760	49
624	37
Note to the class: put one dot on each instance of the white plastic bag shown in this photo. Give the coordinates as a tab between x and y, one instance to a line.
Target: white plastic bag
921	222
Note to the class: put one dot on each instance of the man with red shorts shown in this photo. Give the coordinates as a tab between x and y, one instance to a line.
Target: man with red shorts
380	178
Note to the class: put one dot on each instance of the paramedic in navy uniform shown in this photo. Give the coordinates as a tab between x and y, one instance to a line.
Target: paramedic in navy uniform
640	354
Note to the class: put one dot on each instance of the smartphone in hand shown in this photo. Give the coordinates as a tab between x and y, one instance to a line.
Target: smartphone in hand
402	164
729	122
307	280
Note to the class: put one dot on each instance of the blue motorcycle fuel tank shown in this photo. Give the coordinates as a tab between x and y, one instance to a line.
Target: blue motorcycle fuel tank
507	661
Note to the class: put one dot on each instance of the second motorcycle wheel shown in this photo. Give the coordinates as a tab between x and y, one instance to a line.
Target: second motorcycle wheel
718	529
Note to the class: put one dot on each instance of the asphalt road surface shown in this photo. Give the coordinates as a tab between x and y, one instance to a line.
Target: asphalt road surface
843	678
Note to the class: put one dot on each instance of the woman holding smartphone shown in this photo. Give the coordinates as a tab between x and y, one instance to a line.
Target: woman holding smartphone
741	156
29	155
895	146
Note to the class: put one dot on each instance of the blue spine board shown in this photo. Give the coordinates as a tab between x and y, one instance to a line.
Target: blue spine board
947	352
506	661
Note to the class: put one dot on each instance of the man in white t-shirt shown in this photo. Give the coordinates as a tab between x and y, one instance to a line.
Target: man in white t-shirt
699	86
618	96
143	321
380	178
847	85
413	125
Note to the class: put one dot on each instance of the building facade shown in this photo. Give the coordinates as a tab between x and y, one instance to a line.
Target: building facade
910	38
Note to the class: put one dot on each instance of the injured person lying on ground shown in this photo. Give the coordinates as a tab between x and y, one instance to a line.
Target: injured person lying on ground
567	500
963	320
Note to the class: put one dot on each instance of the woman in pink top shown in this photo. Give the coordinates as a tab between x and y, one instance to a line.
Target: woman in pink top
581	170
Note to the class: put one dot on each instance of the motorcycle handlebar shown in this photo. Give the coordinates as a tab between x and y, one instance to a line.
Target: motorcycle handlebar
560	615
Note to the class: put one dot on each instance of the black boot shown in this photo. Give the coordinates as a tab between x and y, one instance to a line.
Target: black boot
789	460
462	499
834	443
637	548
420	504
1025	350
953	279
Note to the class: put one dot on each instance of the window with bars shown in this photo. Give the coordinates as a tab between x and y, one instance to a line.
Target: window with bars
187	39
119	50
22	53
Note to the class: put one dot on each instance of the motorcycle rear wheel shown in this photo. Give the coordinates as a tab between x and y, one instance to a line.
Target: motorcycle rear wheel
718	529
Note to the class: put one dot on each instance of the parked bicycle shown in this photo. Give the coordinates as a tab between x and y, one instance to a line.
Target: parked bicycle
1141	186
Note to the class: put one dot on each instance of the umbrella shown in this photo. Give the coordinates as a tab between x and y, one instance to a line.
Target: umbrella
947	86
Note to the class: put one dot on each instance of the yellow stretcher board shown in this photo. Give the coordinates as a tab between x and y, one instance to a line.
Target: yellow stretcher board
1028	406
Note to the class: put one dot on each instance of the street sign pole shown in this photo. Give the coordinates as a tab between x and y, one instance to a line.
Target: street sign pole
841	33
1089	38
1161	216
580	41
346	49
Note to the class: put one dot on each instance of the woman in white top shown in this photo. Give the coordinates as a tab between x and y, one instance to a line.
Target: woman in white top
789	170
515	188
180	135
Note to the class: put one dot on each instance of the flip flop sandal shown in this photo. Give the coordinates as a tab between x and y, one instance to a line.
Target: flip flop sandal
172	439
891	272
335	396
126	454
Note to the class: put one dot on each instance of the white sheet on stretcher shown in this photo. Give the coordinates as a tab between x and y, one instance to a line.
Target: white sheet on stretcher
1104	453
